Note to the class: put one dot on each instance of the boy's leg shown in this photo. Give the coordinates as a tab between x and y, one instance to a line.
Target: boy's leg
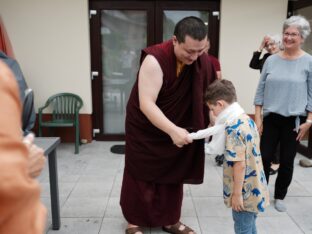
254	228
244	222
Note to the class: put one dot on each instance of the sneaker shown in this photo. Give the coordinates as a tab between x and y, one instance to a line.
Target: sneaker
305	163
219	159
280	205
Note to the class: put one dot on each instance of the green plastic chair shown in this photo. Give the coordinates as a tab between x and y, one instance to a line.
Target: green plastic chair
65	113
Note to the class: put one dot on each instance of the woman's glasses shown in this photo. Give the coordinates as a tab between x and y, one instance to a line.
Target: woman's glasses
291	35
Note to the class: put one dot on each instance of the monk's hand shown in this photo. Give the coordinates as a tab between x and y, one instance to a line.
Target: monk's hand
180	137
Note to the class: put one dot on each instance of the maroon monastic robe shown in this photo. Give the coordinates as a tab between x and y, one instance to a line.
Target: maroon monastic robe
150	153
155	169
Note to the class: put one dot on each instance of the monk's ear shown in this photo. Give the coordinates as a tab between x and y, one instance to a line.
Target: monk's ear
174	40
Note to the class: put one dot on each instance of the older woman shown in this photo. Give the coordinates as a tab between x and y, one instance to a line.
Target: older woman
284	94
272	44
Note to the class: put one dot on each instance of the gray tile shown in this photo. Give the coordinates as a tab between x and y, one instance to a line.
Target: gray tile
84	207
297	206
47	203
188	209
117	186
113	209
210	187
92	189
64	189
90	184
78	226
213	225
296	189
304	222
283	225
211	206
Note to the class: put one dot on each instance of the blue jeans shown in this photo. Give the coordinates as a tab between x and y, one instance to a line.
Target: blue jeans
244	222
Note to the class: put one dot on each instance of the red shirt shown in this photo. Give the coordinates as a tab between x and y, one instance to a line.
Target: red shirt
215	62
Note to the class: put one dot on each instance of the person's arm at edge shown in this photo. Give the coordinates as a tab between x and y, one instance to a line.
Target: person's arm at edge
20	207
150	83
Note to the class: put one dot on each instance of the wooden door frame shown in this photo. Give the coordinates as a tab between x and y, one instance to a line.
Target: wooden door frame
295	5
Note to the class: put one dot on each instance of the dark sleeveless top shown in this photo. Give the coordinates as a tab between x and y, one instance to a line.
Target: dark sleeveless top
150	153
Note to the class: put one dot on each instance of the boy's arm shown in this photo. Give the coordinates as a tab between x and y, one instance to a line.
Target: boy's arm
239	175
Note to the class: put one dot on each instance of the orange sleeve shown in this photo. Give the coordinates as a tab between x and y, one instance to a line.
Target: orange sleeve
20	208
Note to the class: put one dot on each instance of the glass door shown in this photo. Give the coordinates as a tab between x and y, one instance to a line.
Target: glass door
119	30
123	35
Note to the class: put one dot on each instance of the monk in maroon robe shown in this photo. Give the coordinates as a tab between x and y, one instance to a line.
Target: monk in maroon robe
166	103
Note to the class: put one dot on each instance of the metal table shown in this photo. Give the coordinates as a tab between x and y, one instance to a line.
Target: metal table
49	145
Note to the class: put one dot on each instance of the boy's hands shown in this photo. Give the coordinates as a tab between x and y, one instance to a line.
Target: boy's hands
237	202
238	176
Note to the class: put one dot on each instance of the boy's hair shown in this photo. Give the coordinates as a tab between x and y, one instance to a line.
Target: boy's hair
220	90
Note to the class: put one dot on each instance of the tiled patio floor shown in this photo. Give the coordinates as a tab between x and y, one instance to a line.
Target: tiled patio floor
89	187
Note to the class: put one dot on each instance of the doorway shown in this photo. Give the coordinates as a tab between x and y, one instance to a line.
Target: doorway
119	30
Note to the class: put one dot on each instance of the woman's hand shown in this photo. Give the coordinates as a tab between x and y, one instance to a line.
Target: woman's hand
303	128
259	124
265	40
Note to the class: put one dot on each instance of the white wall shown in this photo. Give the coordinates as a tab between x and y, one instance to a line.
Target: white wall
243	25
50	39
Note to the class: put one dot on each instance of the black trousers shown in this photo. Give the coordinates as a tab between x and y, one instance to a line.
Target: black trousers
279	129
276	155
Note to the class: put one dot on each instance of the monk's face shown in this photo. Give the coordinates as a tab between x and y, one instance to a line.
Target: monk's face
189	50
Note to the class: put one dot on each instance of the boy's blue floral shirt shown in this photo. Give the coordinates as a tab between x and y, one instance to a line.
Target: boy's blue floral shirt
243	144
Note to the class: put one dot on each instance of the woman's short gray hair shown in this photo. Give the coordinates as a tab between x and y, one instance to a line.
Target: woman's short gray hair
277	39
301	23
